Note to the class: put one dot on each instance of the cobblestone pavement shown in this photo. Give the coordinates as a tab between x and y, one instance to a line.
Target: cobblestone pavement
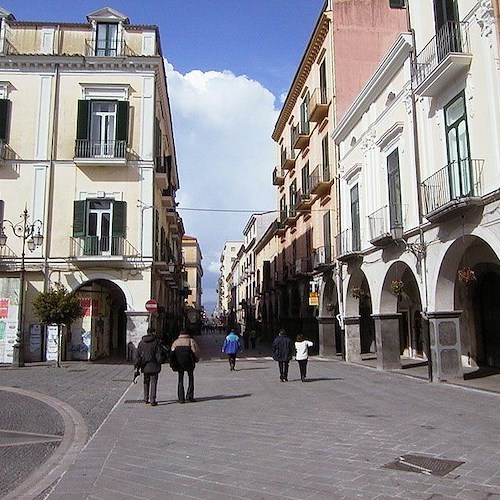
348	432
40	404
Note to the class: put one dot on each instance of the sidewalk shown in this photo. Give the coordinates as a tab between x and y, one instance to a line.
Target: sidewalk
339	435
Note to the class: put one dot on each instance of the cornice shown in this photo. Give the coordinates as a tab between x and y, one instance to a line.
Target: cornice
299	81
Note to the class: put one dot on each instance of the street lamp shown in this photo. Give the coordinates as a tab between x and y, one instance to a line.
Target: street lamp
31	236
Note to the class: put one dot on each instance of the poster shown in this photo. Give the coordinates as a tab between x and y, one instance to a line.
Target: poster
52	342
9	310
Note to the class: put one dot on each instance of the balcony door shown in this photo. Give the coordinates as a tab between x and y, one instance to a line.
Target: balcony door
99	227
394	182
355	220
457	142
448	37
107	39
102	128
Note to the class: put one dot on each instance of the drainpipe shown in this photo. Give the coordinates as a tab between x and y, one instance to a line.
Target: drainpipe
416	152
49	189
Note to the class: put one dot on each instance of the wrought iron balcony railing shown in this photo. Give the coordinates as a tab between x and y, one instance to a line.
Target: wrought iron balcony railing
95	246
348	243
386	223
451	38
85	148
320	179
278	176
323	256
107	48
317	108
457	180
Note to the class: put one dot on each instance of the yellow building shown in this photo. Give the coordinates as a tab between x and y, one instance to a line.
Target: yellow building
194	272
88	151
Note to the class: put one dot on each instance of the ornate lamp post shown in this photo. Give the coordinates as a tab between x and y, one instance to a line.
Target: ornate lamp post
31	236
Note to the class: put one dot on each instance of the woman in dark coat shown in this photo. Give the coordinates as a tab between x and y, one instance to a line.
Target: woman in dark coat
146	361
183	358
283	350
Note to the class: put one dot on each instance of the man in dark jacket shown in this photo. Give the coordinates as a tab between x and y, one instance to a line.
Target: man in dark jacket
283	349
183	358
147	363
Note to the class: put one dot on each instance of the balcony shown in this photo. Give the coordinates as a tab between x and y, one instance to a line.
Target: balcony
3	150
7	47
303	266
301	136
107	48
321	180
453	190
303	201
444	59
167	197
287	159
278	176
317	108
161	175
323	257
100	153
292	216
280	223
101	250
348	244
386	225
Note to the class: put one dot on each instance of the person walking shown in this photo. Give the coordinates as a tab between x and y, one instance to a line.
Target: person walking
231	347
302	354
253	338
282	353
146	361
184	355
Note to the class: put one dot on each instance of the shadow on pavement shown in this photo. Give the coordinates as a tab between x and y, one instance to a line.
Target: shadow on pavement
484	371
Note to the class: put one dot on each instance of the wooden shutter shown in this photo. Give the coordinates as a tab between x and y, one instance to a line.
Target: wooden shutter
397	4
79	218
83	119
119	227
4	118
122	112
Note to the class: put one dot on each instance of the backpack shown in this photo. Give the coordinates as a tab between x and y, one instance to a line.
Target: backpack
162	354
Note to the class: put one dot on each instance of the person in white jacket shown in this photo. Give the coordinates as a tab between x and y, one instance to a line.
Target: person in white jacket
302	355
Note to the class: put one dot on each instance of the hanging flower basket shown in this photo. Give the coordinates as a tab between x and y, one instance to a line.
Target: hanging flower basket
358	292
330	306
397	287
466	275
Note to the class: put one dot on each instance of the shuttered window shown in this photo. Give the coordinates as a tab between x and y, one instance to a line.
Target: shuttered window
5	105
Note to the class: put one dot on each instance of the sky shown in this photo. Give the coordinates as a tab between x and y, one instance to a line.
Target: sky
229	65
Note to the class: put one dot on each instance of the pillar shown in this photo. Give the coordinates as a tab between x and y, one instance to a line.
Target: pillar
387	338
137	326
445	346
352	339
326	330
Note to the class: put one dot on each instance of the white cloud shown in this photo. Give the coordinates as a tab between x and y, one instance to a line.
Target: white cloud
222	129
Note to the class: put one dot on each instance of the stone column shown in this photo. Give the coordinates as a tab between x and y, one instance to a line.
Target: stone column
445	345
387	337
352	339
326	328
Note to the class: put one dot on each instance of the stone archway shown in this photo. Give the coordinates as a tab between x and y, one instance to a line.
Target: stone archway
102	331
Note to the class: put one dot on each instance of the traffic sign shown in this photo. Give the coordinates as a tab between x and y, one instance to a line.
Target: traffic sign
151	305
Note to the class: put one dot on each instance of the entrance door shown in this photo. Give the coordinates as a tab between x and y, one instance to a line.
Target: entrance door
99	227
488	302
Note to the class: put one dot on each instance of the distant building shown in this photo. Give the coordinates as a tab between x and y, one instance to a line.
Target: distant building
227	258
194	273
87	147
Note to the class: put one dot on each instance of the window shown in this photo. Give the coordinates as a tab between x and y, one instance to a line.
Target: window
107	39
355	222
283	209
304	117
394	183
458	150
327	237
100	224
305	179
5	105
322	83
326	159
102	129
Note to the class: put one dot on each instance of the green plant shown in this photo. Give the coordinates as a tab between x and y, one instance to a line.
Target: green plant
397	287
57	306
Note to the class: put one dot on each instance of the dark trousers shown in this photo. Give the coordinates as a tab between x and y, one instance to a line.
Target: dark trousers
150	383
283	365
252	341
303	368
180	386
232	361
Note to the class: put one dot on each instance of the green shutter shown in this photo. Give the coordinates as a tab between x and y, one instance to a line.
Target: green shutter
397	4
83	120
79	218
119	227
4	118
122	120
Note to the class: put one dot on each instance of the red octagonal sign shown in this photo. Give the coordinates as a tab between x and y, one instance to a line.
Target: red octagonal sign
151	305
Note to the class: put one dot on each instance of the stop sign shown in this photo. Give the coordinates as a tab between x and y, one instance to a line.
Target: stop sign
151	305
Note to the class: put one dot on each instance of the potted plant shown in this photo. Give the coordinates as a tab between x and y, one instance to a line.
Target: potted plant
358	292
466	275
397	286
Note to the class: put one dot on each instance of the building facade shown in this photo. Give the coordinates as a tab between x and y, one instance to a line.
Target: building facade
347	43
419	149
88	151
194	273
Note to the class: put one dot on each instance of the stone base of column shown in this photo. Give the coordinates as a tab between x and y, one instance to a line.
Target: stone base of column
352	339
327	342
